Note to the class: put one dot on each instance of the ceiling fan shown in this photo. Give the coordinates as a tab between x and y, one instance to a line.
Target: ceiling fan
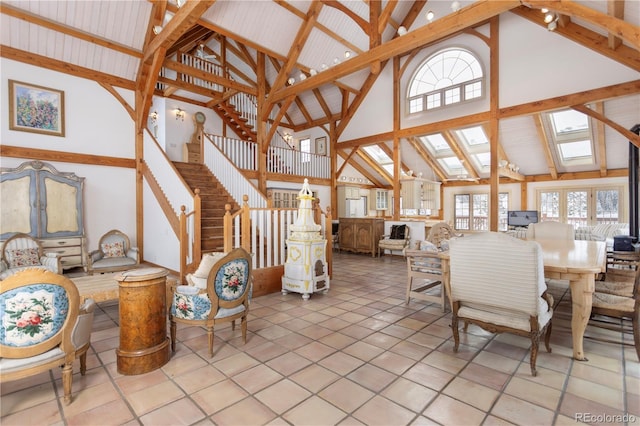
200	53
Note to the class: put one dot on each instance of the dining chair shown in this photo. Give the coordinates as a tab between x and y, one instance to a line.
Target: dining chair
425	277
497	283
616	300
550	230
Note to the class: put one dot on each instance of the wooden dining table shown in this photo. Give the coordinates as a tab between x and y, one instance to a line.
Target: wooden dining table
576	261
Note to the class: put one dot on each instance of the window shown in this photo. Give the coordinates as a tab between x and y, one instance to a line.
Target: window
583	206
378	155
471	211
305	149
448	77
570	131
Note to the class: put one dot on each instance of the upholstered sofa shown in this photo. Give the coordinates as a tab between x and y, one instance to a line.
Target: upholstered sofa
602	232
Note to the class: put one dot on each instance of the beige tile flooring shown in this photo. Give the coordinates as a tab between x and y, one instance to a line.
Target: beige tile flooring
357	355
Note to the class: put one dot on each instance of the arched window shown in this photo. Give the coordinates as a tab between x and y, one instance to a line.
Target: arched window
448	77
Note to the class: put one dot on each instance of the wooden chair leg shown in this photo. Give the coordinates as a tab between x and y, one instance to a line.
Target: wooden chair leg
172	329
83	363
244	329
635	322
456	332
67	377
210	335
547	337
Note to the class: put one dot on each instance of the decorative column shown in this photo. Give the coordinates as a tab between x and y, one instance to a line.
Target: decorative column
305	270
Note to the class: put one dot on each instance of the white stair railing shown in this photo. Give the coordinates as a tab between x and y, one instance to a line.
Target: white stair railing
226	171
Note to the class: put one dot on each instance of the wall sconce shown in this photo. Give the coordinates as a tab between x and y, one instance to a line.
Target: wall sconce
179	114
154	116
287	137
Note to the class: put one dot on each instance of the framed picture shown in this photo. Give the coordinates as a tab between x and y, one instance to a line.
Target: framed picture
321	145
36	109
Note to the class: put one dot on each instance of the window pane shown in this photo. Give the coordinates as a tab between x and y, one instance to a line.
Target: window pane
550	206
480	212
573	150
451	96
607	205
462	211
435	143
473	90
503	208
305	148
577	209
433	100
569	121
415	105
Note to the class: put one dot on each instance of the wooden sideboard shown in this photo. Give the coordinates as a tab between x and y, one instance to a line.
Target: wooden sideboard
361	235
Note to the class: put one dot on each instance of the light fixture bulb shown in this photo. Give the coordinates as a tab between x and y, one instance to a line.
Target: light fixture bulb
402	30
552	26
548	18
291	81
455	6
347	54
430	15
336	60
323	66
157	29
313	71
302	76
544	10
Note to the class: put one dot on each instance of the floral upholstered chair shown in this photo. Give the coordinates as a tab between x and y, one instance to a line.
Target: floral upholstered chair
22	251
398	239
114	254
43	326
224	299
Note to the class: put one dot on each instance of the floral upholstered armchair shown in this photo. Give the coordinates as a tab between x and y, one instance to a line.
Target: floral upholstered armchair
22	251
114	254
225	297
43	326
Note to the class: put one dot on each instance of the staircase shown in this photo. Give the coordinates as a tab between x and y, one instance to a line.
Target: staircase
213	199
232	118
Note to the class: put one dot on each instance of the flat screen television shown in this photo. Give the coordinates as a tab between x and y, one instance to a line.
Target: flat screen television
521	217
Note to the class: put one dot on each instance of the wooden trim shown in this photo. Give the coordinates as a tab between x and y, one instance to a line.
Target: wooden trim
65	157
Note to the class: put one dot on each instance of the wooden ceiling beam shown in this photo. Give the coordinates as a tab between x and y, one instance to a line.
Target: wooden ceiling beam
470	15
545	144
601	139
70	31
427	157
207	76
460	153
615	8
64	67
628	134
611	24
364	172
587	38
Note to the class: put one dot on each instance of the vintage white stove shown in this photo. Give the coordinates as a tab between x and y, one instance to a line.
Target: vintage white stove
305	270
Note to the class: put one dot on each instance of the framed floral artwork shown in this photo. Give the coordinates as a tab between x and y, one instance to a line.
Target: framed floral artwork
36	109
321	145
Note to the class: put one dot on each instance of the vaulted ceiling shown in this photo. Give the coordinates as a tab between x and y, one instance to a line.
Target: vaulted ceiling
315	61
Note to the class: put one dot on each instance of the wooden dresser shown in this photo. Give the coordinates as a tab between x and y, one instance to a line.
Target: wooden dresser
361	235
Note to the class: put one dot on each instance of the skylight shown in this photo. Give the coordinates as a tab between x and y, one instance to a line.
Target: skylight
435	143
379	156
571	133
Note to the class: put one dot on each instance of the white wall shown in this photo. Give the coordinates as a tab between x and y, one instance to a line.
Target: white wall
95	123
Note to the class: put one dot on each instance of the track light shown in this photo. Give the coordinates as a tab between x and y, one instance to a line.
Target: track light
291	80
430	15
455	6
402	30
347	54
157	29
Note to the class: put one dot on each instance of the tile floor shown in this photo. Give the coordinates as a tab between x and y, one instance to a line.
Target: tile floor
357	355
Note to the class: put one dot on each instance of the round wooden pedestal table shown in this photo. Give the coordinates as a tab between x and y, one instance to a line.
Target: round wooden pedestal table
144	344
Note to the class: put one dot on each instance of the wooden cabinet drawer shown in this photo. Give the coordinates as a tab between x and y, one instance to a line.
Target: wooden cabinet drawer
69	261
60	242
65	251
